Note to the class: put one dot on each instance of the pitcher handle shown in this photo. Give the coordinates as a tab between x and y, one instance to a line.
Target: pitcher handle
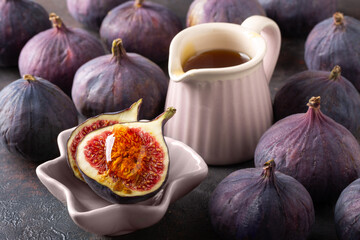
271	33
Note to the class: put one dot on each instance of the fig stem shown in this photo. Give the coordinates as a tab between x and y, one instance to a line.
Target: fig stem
118	50
165	116
335	73
139	3
338	18
269	168
314	102
29	77
56	20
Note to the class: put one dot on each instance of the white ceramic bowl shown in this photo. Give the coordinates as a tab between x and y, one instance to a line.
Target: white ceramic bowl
96	215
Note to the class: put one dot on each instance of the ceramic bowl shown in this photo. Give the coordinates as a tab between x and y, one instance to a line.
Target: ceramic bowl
96	215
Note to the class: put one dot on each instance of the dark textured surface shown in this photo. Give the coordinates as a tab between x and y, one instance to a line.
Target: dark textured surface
29	211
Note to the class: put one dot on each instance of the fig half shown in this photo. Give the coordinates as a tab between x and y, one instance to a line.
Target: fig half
126	162
103	120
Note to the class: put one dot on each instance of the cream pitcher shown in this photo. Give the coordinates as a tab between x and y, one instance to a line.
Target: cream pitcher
222	112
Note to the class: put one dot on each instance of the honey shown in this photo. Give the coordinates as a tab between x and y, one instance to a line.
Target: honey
217	58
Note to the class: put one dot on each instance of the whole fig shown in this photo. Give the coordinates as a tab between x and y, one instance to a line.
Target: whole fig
145	27
19	21
91	12
296	18
340	99
233	11
347	212
261	203
56	54
113	82
335	41
314	149
34	111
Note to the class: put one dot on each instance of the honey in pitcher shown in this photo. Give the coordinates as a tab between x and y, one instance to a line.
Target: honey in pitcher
217	58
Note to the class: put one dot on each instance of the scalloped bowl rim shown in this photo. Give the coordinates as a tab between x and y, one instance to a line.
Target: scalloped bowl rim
118	219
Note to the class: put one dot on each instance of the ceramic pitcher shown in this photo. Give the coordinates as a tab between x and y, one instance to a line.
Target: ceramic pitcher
222	112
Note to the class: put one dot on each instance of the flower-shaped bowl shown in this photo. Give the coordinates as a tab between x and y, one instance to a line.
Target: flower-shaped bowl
94	214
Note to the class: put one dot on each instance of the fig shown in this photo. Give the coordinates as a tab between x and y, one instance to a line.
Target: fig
126	162
297	18
145	27
340	99
232	11
91	12
334	41
261	203
103	120
33	112
56	54
20	20
314	149
112	82
347	212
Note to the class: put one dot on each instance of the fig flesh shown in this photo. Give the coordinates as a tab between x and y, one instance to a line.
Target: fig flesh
33	113
20	20
232	11
126	162
261	203
340	99
112	82
103	120
314	149
145	27
335	41
56	54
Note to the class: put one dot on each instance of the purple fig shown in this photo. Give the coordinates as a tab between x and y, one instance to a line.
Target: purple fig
33	113
347	212
113	82
340	99
314	149
261	203
233	11
335	41
297	18
145	27
56	54
19	21
91	12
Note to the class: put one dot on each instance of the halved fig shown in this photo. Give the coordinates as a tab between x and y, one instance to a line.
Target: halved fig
128	115
126	162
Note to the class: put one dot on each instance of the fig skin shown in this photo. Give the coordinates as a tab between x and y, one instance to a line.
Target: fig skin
297	18
314	149
20	20
56	54
146	28
34	112
232	11
335	41
340	99
257	203
113	82
91	12
347	212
